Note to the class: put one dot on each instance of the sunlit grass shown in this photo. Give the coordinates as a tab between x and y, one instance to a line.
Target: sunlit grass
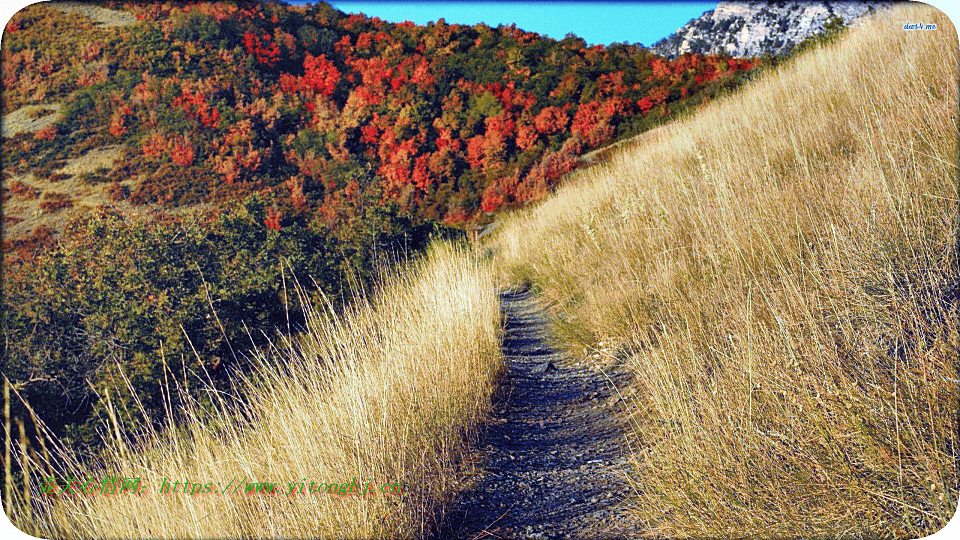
390	391
780	270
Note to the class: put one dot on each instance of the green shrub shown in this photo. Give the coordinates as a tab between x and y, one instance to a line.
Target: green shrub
125	297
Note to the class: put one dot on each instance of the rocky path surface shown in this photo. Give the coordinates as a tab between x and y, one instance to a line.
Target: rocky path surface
555	458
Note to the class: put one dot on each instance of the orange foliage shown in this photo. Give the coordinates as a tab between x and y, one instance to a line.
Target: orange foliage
48	133
263	49
181	152
552	119
272	220
320	75
118	121
526	136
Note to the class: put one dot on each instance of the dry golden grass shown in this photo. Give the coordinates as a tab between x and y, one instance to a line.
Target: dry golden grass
781	272
389	391
68	179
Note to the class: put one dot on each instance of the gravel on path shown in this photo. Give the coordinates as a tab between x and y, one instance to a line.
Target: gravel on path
555	458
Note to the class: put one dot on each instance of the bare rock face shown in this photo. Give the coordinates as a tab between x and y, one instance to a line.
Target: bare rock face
745	29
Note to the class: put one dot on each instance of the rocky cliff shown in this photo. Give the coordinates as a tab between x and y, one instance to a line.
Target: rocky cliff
745	29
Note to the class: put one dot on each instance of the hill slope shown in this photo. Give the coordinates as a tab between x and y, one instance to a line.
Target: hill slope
388	392
778	271
781	271
210	139
324	112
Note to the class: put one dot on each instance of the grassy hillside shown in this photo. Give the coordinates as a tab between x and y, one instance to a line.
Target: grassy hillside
780	271
217	143
389	392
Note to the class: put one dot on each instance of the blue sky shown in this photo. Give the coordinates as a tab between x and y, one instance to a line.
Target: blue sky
596	22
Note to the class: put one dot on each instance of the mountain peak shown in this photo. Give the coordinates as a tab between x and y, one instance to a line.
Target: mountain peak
755	28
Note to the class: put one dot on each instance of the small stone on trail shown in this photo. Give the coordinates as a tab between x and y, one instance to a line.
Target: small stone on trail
545	367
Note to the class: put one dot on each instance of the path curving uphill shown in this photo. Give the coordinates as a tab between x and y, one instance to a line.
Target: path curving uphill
555	459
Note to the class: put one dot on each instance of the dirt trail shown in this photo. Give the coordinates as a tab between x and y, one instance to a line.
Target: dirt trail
555	457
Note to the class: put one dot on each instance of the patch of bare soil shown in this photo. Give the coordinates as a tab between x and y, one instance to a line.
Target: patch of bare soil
30	119
104	17
25	213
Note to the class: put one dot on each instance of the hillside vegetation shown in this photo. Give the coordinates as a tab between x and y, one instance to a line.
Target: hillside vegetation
324	112
168	165
390	391
780	271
